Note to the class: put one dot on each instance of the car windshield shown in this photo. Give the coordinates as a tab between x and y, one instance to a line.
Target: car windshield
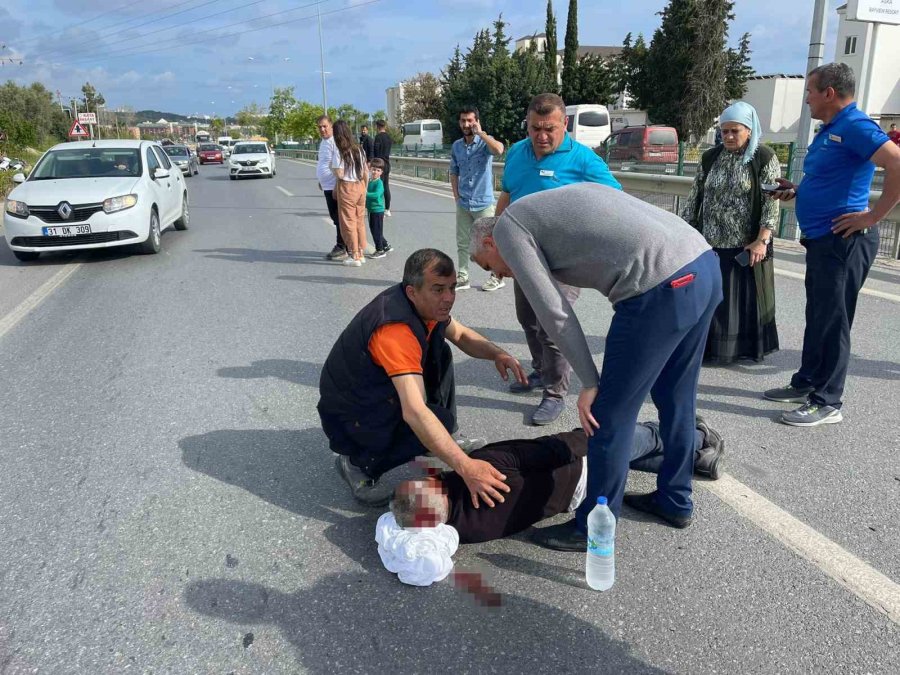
88	163
250	148
176	150
209	147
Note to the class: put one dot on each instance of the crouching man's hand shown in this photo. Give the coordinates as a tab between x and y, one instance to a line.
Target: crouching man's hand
483	481
506	362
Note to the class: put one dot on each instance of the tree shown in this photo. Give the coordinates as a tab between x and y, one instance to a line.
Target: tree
216	126
598	81
503	117
631	68
738	69
282	102
90	98
251	116
301	121
30	117
421	98
570	55
550	47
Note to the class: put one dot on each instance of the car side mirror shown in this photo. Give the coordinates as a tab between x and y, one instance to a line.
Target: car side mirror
160	173
19	178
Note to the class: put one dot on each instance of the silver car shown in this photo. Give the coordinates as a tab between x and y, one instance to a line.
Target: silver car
183	158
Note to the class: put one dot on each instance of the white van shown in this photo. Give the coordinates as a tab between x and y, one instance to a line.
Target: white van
588	124
428	133
227	142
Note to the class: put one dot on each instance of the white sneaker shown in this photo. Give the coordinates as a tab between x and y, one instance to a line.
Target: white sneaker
493	284
462	282
352	262
387	213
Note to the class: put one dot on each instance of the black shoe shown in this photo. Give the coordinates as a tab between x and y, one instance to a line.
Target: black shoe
337	253
711	455
547	411
562	537
364	489
388	248
788	394
535	381
647	504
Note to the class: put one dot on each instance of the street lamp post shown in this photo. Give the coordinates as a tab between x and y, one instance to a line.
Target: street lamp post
322	59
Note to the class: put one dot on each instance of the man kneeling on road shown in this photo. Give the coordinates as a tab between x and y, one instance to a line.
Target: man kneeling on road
387	392
546	476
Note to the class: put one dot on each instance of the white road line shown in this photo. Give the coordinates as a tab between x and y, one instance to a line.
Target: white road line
867	583
867	291
8	322
289	194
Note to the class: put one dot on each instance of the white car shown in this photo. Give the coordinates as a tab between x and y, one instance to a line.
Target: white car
251	158
96	194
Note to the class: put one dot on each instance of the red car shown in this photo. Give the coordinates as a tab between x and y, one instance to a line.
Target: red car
210	153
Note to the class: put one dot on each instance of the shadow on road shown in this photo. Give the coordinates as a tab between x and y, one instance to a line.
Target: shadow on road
339	281
254	255
370	623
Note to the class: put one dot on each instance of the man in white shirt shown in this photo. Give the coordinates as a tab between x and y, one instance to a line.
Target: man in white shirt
327	183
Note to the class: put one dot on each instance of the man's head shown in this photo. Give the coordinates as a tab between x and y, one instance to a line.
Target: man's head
377	166
364	130
546	123
323	123
468	118
829	89
483	249
420	503
380	125
893	127
429	280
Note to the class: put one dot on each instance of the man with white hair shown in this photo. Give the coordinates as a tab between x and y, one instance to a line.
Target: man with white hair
664	282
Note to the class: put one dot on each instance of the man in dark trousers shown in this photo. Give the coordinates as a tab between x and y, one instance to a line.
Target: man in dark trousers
840	234
382	150
546	476
664	283
367	143
387	392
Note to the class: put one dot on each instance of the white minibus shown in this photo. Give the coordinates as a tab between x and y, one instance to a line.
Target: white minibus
588	124
427	133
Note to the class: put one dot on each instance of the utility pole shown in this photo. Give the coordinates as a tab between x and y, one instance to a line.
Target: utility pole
816	56
322	59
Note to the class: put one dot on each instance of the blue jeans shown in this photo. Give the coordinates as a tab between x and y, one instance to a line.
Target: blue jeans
654	346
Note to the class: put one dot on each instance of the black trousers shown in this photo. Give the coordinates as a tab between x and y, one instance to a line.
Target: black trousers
376	225
333	214
386	181
404	445
836	269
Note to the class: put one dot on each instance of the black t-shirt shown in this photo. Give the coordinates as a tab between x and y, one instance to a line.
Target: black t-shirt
382	147
542	474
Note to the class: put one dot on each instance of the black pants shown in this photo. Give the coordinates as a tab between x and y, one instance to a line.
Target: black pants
836	269
333	214
376	225
386	181
404	446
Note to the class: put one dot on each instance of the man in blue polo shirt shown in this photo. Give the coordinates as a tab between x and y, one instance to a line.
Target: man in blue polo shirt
549	158
472	182
840	234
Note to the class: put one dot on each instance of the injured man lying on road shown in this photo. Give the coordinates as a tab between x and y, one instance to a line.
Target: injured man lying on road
429	517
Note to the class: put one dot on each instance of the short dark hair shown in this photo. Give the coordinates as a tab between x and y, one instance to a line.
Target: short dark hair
364	126
377	163
323	118
466	109
420	261
380	124
544	104
838	76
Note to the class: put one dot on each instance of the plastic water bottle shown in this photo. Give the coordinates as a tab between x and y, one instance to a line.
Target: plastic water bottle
600	568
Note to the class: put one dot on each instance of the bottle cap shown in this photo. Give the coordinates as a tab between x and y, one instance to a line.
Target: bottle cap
601	501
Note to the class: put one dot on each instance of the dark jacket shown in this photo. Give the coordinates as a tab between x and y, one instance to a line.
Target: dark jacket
382	148
353	390
368	146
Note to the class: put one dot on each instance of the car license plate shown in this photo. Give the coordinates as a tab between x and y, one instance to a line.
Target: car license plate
67	231
656	154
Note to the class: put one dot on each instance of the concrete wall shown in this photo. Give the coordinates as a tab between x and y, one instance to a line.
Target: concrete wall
778	102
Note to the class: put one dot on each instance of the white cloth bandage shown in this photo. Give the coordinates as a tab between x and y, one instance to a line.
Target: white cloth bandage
419	556
580	489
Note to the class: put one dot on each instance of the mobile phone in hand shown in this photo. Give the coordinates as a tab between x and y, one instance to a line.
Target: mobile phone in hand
772	187
743	258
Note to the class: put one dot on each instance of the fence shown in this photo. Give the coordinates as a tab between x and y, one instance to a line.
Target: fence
664	189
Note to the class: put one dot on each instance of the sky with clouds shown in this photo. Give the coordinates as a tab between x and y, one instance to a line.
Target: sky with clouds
216	56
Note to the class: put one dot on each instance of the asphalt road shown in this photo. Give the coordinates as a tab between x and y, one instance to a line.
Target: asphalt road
168	502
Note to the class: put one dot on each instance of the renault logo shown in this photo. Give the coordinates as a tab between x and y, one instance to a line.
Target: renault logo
64	210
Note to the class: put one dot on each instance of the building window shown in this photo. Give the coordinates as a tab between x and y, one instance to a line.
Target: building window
850	46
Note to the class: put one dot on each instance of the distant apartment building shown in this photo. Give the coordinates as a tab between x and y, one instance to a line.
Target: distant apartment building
394	103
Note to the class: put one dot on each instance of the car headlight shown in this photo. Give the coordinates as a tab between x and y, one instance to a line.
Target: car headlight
114	204
181	162
18	209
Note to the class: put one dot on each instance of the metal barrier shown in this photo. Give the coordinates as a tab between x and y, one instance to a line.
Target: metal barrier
661	190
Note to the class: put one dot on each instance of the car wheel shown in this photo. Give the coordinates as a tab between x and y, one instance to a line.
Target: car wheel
185	220
152	243
26	256
233	177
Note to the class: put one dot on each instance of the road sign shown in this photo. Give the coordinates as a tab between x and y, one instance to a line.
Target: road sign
77	129
87	118
874	11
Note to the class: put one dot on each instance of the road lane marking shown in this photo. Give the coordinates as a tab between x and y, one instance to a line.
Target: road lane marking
867	291
8	322
289	194
861	579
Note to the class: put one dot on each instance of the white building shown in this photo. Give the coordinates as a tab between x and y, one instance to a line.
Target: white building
394	96
778	100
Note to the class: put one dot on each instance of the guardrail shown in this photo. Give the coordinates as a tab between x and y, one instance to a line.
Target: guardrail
665	191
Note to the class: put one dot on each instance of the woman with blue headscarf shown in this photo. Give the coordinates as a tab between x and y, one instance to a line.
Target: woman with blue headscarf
728	207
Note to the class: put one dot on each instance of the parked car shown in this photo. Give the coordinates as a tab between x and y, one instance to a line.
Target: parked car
96	194
210	153
251	158
644	144
184	159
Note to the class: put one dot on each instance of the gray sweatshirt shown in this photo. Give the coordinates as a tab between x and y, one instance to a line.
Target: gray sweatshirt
590	236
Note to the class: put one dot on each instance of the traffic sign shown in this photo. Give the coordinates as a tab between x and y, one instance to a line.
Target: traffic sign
77	129
87	118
